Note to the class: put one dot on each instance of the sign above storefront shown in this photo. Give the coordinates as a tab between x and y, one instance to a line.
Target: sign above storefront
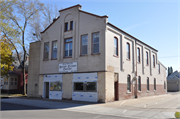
68	67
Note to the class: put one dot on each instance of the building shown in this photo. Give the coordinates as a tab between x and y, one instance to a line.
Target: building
173	81
81	56
14	82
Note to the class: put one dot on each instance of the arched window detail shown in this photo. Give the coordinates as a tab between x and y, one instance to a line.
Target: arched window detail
147	84
129	83
138	55
128	51
139	83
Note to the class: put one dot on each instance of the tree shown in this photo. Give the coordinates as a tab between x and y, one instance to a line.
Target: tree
15	16
6	57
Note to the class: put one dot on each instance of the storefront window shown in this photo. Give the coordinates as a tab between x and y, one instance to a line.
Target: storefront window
78	86
91	86
55	86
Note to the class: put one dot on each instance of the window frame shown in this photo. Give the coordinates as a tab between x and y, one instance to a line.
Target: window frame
138	57
117	48
52	50
147	58
68	49
93	44
129	90
44	52
85	86
128	53
154	64
148	84
65	26
71	25
81	46
139	83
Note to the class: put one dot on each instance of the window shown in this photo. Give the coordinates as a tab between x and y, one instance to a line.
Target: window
129	83
5	81
90	87
147	62
56	86
153	61
46	51
12	81
54	50
84	44
68	47
66	27
71	25
78	86
147	84
128	51
138	55
116	46
139	83
95	43
154	84
164	85
159	68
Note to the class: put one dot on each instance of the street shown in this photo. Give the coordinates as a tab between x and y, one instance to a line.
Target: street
162	106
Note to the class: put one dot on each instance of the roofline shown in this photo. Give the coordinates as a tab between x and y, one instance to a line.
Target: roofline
94	14
50	24
70	7
131	36
162	64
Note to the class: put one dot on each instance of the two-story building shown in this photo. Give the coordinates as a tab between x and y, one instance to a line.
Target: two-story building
81	56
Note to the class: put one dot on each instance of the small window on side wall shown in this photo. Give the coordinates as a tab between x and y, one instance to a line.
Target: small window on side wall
153	61
54	50
139	83
154	84
46	51
66	26
95	43
115	46
84	44
128	51
129	83
138	55
71	25
147	59
147	84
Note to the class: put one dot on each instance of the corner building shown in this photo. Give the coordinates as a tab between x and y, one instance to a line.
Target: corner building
81	56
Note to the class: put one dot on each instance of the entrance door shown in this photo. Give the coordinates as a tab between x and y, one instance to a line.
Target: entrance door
116	94
47	90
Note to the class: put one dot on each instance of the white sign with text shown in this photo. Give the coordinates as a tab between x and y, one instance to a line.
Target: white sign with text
68	67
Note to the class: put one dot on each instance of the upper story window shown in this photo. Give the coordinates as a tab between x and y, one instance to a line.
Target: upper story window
5	81
128	51
138	55
147	61
71	25
159	68
95	43
54	50
129	83
46	51
139	83
147	84
116	46
66	26
68	47
153	61
84	44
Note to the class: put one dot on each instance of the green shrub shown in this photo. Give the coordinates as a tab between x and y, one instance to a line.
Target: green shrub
177	114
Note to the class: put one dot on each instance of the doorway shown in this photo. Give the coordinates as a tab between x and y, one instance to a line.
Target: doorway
116	94
47	90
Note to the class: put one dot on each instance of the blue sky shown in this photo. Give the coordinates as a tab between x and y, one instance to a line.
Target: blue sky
155	22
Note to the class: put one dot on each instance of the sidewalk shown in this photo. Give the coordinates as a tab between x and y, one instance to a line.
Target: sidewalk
94	108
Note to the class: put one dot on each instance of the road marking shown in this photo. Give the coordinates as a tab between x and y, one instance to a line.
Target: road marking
124	111
122	103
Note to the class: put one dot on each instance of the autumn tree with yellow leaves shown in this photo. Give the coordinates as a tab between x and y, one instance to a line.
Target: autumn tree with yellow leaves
6	57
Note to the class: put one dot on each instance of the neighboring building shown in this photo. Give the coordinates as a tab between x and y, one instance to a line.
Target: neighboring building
81	56
14	83
173	81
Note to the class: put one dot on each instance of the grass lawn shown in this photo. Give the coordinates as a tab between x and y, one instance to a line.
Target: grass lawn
12	95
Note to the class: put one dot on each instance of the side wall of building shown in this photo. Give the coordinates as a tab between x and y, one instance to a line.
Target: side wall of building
33	70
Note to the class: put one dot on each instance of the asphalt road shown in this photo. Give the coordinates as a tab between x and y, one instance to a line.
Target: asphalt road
11	111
